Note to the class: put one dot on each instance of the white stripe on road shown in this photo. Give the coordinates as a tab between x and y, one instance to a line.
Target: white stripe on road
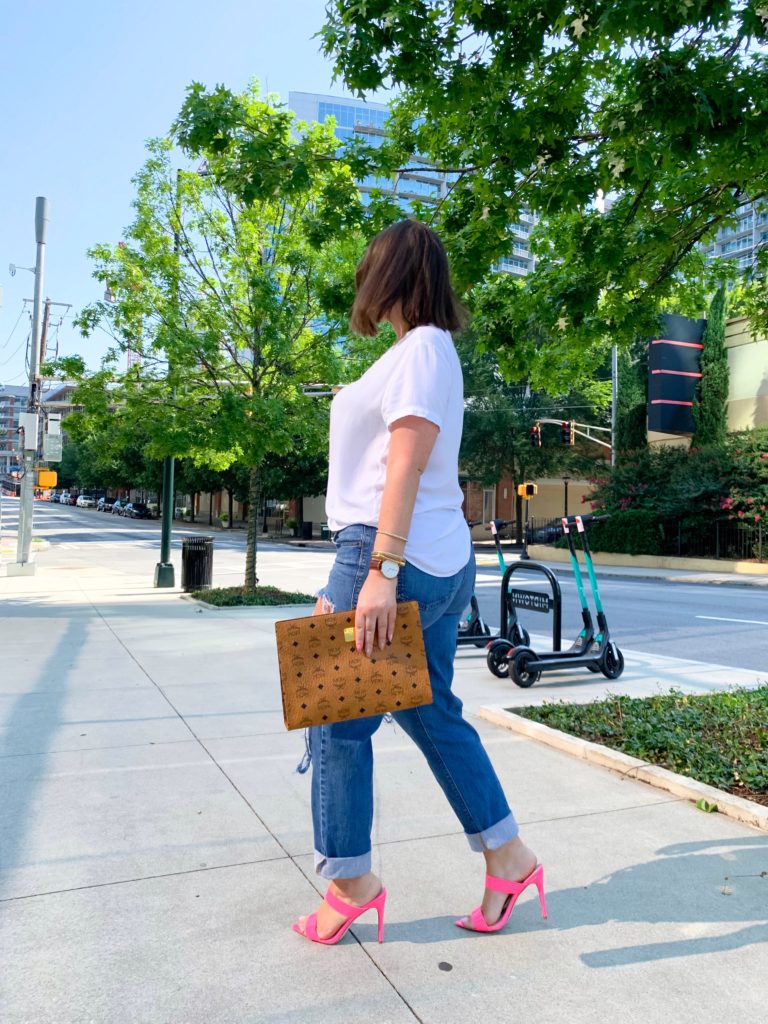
720	618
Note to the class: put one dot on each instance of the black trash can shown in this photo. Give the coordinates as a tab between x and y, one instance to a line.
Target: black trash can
196	563
306	530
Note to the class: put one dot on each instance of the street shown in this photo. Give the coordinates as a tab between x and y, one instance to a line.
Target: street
720	625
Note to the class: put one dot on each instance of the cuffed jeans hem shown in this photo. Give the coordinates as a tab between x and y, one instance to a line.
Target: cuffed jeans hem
495	836
342	867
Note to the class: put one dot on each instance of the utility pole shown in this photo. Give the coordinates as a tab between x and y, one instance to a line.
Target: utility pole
29	421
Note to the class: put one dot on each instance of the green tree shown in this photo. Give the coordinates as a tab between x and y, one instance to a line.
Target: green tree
230	288
663	108
710	410
497	422
632	399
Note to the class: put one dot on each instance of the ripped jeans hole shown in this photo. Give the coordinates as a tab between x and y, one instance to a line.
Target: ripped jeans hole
324	605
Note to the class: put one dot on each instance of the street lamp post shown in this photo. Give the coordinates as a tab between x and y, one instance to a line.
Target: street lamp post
164	571
565	479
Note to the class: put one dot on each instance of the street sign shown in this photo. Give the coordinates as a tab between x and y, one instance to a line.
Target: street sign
52	447
530	600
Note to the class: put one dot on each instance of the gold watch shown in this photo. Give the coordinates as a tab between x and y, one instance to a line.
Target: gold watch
388	567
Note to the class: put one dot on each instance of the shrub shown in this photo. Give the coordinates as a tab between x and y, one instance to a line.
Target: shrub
231	597
634	532
720	739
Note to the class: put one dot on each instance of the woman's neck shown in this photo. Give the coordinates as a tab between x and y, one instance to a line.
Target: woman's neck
400	325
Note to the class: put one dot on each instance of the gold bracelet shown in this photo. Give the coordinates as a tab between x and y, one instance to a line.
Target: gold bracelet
396	536
389	557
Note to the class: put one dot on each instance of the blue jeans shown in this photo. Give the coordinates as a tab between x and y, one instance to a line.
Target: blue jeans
342	753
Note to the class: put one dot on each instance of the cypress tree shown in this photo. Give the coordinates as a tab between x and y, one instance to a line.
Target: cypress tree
631	411
710	410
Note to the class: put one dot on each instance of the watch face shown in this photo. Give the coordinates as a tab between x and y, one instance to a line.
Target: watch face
390	569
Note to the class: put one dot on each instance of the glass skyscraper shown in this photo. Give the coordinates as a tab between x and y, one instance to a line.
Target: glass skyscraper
421	181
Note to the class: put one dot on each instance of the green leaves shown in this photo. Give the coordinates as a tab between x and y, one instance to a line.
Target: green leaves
719	739
542	105
711	407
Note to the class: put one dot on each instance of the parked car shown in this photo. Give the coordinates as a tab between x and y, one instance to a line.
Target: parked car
547	534
64	498
104	505
55	498
118	505
86	501
137	510
73	496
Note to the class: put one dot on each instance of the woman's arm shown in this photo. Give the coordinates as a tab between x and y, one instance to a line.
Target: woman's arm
411	443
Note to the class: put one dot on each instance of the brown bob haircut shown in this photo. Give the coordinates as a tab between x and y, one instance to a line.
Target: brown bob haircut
405	263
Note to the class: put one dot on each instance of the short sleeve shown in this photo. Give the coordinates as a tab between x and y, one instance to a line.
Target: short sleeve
420	382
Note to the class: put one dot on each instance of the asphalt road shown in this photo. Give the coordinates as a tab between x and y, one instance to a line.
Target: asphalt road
725	625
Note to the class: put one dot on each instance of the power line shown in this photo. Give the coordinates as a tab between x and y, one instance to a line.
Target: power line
14	353
13	330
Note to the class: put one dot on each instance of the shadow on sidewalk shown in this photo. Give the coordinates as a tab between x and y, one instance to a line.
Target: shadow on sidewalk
684	890
18	802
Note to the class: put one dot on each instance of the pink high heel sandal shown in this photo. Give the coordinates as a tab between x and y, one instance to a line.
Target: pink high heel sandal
514	889
351	913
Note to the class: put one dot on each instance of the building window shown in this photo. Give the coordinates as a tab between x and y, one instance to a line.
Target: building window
489	504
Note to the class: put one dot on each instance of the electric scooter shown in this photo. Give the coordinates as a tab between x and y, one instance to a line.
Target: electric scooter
595	652
500	651
474	630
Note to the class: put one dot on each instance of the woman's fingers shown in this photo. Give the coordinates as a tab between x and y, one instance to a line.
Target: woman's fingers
391	621
372	626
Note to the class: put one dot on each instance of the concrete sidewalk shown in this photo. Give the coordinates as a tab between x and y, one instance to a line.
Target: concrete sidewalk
156	845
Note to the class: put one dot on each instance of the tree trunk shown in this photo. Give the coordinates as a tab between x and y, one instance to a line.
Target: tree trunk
193	496
231	498
300	513
210	508
254	503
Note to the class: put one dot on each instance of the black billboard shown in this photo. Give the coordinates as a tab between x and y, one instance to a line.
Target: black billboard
674	372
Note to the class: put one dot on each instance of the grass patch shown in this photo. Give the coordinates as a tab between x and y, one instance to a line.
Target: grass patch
719	738
232	597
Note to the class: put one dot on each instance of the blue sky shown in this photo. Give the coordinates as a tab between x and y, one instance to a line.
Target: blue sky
84	84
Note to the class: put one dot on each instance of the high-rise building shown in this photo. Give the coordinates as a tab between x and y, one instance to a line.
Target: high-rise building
421	181
368	121
13	400
742	241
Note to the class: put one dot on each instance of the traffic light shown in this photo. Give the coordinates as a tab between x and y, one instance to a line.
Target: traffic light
568	432
536	435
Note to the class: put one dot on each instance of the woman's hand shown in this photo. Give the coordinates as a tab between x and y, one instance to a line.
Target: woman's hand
376	612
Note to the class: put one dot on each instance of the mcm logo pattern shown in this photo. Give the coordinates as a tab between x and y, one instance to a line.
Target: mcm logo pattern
324	680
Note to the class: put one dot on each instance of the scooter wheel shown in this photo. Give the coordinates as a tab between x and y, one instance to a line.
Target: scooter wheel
519	636
498	658
482	637
518	668
613	662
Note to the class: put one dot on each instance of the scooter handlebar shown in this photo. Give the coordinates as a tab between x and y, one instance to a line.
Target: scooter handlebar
586	519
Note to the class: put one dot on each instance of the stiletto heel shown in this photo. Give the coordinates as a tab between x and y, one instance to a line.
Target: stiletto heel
542	897
349	911
513	890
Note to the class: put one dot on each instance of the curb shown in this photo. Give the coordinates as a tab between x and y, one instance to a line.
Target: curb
748	812
611	573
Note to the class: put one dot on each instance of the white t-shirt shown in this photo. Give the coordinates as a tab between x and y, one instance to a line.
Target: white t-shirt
418	376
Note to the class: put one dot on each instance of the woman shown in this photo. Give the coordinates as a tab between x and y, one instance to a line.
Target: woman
394	504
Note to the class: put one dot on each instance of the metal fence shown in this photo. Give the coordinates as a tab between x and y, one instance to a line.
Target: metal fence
723	538
729	539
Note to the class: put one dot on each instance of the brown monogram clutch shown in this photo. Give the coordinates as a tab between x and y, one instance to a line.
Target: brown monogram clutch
323	679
